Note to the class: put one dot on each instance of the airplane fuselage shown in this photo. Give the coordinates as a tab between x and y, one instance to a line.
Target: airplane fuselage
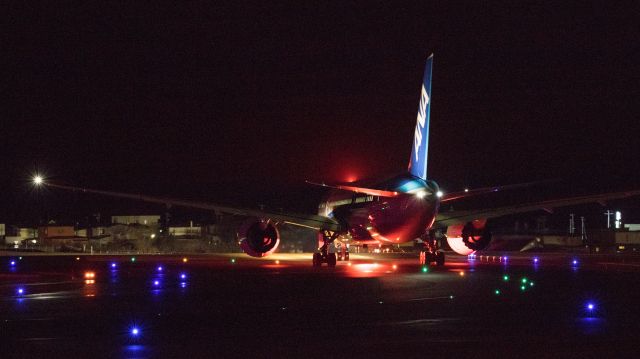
404	215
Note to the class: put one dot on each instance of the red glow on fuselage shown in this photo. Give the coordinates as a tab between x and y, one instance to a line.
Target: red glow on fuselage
384	213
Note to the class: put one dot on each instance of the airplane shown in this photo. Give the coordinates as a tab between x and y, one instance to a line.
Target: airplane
390	210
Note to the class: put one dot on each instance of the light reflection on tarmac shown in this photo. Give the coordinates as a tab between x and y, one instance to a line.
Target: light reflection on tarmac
380	305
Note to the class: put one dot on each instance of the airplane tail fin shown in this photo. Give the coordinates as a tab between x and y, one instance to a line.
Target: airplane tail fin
418	160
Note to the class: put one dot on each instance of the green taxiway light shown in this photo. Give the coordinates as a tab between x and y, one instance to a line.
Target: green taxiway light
523	287
524	280
497	291
133	259
505	278
425	269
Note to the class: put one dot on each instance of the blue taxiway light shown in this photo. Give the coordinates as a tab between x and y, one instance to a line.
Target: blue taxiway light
20	291
535	260
114	265
159	268
156	282
575	262
183	276
590	306
135	331
13	263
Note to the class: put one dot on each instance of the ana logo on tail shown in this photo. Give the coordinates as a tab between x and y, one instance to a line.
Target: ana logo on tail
418	159
422	116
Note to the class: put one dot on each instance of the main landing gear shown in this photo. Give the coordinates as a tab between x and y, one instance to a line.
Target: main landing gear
427	257
430	254
324	255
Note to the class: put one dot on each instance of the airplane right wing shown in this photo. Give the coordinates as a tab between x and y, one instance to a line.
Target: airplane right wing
445	219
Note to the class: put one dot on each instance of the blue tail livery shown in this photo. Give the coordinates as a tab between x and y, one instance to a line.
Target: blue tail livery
418	160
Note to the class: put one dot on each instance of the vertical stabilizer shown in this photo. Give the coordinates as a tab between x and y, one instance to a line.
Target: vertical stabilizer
418	161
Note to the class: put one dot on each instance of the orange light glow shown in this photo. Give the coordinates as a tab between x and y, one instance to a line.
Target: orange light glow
395	267
89	275
277	262
185	260
349	264
461	273
89	281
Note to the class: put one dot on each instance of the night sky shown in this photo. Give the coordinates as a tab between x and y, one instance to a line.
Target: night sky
242	103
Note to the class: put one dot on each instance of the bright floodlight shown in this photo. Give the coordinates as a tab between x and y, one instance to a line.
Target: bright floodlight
37	180
421	194
439	194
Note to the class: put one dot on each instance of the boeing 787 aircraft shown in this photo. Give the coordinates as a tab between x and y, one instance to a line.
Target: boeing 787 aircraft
388	210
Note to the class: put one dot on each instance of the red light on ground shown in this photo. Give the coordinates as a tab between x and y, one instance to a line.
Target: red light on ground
89	275
395	267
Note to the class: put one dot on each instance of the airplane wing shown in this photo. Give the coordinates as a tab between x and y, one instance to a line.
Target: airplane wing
304	220
461	217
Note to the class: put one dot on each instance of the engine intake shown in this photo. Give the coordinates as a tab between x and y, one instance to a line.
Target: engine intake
468	238
258	237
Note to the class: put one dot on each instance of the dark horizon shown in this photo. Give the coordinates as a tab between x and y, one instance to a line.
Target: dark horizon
243	103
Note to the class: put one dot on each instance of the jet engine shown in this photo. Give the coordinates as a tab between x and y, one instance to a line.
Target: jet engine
470	237
258	237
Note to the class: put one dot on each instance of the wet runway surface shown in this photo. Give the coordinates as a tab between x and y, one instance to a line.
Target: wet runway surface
377	306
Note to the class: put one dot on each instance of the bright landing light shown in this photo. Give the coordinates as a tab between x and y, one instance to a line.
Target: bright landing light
37	180
439	194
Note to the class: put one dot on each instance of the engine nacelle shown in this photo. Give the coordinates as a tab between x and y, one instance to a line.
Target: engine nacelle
468	238
258	237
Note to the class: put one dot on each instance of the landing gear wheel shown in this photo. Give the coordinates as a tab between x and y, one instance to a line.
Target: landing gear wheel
317	259
439	259
331	259
346	256
340	256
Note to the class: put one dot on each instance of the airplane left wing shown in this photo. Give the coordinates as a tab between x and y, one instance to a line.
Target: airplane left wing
304	220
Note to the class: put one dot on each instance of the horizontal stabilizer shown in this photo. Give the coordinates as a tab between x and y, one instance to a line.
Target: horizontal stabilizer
369	191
